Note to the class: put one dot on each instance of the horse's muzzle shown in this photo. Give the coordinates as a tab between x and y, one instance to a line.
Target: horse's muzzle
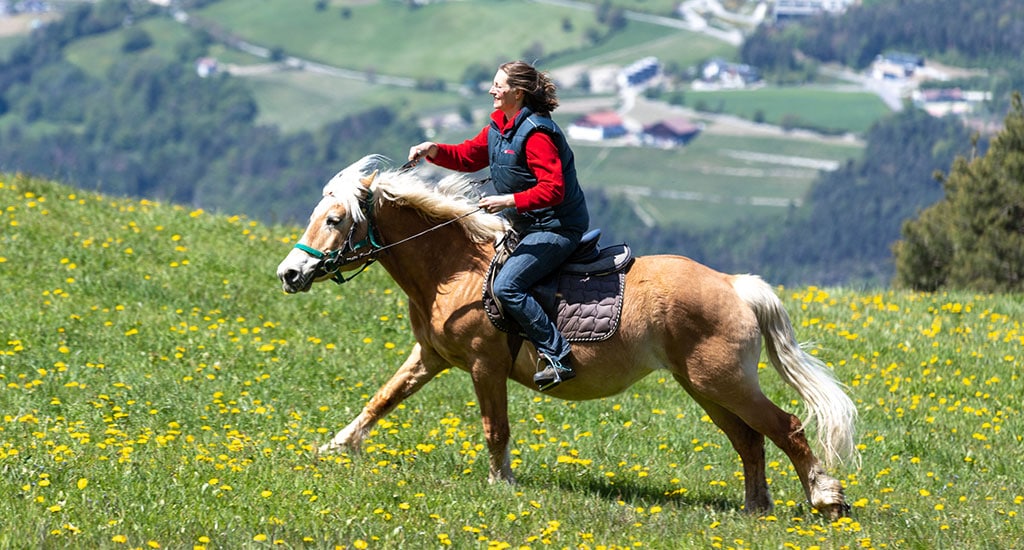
295	280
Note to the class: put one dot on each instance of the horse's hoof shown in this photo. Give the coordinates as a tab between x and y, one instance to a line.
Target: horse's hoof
835	511
328	449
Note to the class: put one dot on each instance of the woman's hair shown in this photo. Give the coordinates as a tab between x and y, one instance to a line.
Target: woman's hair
541	96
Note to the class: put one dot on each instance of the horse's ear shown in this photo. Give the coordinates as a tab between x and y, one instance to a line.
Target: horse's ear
368	180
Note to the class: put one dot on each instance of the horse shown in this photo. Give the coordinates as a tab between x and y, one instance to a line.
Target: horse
678	316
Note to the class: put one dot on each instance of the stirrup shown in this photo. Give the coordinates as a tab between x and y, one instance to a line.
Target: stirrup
553	373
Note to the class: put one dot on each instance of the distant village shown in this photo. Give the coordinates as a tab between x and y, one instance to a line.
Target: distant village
610	125
901	70
7	7
909	70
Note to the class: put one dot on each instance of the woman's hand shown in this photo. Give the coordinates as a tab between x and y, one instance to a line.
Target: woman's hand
497	203
426	149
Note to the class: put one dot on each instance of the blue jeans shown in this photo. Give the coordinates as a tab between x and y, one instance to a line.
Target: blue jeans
536	257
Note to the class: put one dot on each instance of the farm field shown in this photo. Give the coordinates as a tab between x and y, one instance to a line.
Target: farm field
395	39
98	53
716	178
297	101
158	390
826	109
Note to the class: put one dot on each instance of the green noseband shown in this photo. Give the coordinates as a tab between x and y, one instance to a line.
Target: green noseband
331	261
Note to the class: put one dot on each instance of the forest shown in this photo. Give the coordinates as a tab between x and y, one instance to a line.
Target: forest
853	216
152	128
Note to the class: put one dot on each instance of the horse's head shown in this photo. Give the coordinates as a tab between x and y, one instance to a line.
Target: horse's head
340	236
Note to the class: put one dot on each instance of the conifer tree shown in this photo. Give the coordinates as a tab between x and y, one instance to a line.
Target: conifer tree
974	237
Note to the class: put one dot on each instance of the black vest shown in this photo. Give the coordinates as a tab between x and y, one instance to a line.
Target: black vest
510	174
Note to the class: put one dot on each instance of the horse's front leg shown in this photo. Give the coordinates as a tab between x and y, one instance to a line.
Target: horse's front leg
491	386
419	368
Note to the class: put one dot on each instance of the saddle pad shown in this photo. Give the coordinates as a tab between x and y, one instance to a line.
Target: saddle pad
589	307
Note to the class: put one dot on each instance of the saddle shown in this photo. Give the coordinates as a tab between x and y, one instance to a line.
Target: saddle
583	296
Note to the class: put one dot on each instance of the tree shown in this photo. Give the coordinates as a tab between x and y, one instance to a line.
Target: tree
135	40
974	237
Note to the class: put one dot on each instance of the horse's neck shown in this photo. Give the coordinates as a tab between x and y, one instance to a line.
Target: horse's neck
427	265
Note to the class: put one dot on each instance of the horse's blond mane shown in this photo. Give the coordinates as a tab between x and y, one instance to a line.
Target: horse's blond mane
452	197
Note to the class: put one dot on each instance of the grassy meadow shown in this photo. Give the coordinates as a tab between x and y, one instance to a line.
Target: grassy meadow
713	181
816	107
158	390
433	41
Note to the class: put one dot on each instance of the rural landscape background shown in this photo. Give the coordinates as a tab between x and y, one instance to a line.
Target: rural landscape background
159	391
804	176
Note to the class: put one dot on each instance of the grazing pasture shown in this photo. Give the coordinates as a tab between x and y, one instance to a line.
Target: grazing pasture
158	390
817	108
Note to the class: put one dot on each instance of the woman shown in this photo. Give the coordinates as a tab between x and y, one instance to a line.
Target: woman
534	173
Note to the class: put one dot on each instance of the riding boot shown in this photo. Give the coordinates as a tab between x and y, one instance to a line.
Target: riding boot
554	372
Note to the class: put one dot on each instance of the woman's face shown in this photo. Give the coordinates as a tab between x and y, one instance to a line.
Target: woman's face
506	100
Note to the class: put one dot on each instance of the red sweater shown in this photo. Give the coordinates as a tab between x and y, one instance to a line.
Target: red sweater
541	157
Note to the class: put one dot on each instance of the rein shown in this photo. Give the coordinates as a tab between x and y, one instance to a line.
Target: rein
331	261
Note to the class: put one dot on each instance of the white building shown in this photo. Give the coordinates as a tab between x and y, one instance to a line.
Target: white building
640	74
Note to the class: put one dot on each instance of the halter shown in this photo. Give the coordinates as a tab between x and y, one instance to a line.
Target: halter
331	261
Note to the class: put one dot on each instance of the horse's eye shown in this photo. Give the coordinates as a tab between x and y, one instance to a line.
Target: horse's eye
333	220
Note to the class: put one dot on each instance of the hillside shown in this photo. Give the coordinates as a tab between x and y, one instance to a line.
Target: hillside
159	390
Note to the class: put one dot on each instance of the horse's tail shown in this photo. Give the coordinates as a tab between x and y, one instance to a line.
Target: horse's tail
828	406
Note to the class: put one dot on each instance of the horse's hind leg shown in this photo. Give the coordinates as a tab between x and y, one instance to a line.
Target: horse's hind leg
741	410
748	443
786	431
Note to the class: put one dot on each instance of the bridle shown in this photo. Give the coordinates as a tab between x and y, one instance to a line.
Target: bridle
331	261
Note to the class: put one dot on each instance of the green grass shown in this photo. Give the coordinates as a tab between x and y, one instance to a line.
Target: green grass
804	107
434	41
158	390
713	180
296	101
639	40
96	54
414	50
7	45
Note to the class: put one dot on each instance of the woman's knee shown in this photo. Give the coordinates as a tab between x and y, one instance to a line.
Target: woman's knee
507	293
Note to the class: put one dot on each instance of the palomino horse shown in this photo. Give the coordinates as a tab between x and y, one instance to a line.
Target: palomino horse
701	326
